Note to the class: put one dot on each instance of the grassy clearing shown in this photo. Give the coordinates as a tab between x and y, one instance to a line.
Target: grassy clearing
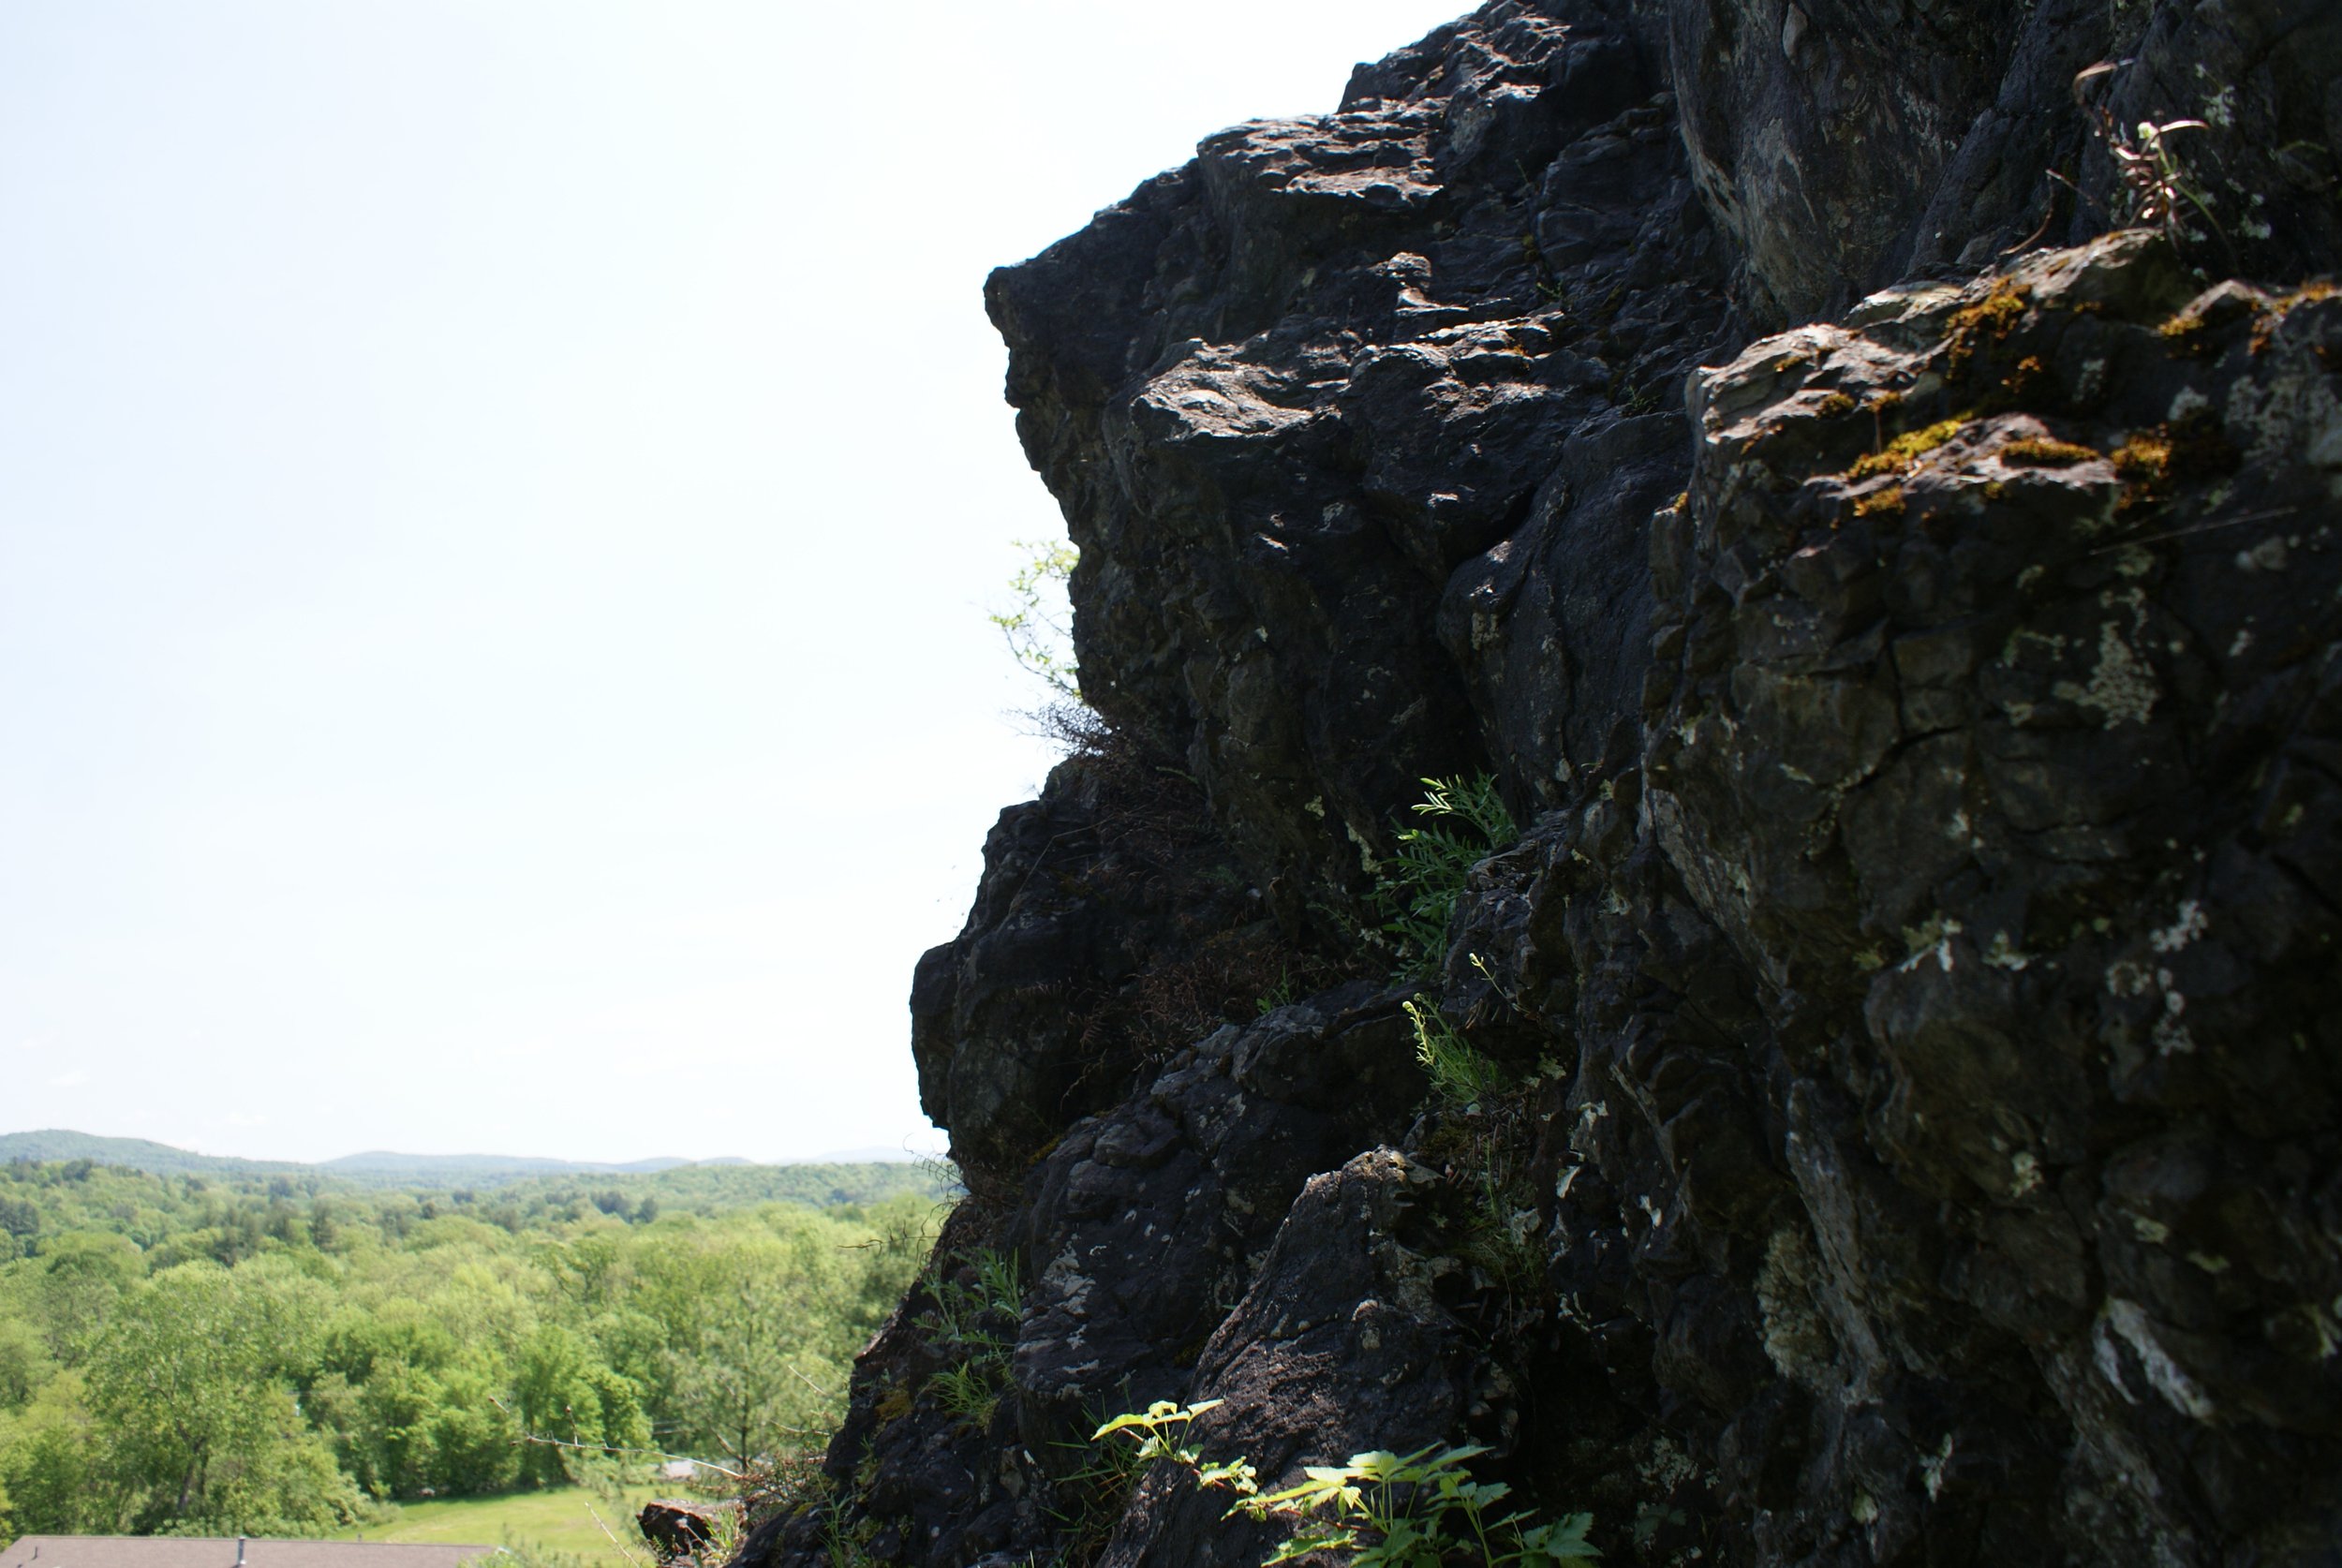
554	1519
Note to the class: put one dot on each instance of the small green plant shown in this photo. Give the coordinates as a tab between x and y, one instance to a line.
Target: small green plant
1501	1239
961	1311
968	1392
1036	624
1087	1502
1385	1510
2158	182
849	1546
1463	822
1283	994
999	1284
1460	1075
978	1319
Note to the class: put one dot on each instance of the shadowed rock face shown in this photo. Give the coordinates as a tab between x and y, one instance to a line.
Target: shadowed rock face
1975	768
1909	618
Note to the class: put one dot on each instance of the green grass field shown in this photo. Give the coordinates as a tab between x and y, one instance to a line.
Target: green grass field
554	1521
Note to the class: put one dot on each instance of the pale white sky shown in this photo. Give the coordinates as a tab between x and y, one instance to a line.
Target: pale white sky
498	506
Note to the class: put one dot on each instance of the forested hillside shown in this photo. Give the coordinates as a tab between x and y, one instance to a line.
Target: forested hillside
281	1354
382	1168
56	1145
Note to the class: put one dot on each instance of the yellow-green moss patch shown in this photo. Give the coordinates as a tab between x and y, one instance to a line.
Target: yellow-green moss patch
2046	453
1898	455
2151	461
1997	313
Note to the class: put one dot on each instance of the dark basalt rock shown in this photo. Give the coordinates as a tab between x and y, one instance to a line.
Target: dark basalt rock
1341	1346
1189	1183
1111	921
1919	971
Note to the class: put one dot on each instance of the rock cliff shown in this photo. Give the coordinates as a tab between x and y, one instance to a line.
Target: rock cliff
1891	571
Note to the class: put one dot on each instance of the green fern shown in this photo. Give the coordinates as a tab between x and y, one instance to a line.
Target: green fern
1464	822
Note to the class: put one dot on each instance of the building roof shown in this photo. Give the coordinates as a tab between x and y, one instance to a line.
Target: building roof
180	1551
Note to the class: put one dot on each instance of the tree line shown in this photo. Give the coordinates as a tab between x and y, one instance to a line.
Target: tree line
184	1356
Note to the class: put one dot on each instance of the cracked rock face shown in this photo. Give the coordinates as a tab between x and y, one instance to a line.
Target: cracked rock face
1964	744
1909	618
1341	1346
1146	1225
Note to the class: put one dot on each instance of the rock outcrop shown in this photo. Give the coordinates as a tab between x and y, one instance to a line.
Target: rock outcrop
1905	606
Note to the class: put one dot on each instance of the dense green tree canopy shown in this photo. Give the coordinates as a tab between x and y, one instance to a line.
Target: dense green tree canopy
177	1354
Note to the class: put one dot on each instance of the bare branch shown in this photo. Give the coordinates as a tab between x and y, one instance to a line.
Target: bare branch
607	1448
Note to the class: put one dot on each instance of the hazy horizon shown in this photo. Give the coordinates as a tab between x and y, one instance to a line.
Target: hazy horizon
501	505
857	1154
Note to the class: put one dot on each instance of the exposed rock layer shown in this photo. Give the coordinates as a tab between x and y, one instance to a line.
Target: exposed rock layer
1919	970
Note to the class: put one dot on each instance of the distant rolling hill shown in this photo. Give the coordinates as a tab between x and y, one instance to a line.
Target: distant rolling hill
374	1168
411	1166
136	1153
